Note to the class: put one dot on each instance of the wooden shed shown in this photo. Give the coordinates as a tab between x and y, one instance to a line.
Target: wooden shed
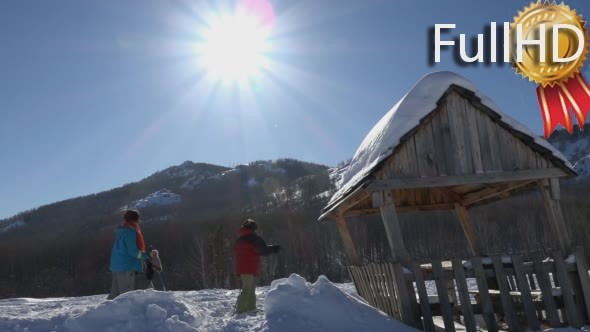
445	146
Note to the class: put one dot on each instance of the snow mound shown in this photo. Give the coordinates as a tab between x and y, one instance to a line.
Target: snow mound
293	304
406	115
142	310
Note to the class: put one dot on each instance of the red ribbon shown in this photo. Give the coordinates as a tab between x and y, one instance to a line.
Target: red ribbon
558	100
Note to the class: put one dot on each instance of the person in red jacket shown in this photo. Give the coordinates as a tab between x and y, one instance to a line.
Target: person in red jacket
248	249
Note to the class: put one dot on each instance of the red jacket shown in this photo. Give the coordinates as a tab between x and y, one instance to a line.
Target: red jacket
248	249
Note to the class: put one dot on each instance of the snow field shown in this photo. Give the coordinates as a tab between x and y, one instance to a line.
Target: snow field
290	304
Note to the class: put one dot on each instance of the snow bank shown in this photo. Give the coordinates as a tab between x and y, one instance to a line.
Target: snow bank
142	310
293	304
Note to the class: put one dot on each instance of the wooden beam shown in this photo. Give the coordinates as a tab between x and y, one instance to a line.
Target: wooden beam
429	207
399	254
491	192
555	190
374	211
463	216
353	199
555	217
347	204
445	181
360	213
448	192
347	239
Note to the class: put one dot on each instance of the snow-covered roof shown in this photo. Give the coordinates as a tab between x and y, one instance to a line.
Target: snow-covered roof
421	100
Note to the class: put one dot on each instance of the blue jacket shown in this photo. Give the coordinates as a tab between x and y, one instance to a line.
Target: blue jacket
125	255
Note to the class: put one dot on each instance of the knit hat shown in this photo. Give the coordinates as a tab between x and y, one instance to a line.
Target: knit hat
250	224
131	215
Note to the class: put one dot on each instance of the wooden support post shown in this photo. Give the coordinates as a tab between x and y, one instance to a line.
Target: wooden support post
347	239
392	226
550	191
463	216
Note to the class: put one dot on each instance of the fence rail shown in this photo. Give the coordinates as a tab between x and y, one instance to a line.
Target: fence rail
512	293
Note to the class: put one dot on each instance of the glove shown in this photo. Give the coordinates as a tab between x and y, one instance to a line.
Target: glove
149	271
276	248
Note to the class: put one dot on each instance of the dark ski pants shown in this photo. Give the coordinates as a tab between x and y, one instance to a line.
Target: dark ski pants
122	282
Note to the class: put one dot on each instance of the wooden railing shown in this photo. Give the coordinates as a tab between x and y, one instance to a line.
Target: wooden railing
512	293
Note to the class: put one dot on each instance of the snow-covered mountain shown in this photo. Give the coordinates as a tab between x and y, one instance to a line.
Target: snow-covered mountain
189	189
158	198
576	148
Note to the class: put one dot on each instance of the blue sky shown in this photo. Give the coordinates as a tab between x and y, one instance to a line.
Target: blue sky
96	94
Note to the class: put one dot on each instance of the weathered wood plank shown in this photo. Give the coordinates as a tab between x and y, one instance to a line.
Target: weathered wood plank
548	301
457	134
347	239
397	299
423	295
412	157
584	278
393	230
494	145
425	151
466	308
463	216
387	292
446	139
484	294
531	158
370	289
443	295
446	181
359	282
566	291
407	310
438	140
555	217
508	152
389	281
473	136
492	191
378	284
484	141
555	189
505	298
462	112
525	294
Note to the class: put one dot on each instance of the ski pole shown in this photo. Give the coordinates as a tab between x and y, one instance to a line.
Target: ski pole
161	280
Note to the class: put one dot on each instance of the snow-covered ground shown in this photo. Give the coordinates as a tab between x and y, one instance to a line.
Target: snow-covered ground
288	305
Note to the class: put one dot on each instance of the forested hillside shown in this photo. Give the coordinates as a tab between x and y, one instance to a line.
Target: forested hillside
192	213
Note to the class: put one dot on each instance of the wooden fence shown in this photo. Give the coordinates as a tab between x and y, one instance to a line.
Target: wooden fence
493	293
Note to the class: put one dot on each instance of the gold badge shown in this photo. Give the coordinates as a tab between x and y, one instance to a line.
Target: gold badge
548	45
548	72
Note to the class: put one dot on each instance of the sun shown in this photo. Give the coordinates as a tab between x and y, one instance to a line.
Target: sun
234	47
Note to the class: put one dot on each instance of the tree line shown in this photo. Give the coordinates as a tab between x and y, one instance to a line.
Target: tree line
197	248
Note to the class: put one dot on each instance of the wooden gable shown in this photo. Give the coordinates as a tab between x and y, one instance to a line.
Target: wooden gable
461	153
462	138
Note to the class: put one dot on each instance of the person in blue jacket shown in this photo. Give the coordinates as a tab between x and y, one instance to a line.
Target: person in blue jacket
127	255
